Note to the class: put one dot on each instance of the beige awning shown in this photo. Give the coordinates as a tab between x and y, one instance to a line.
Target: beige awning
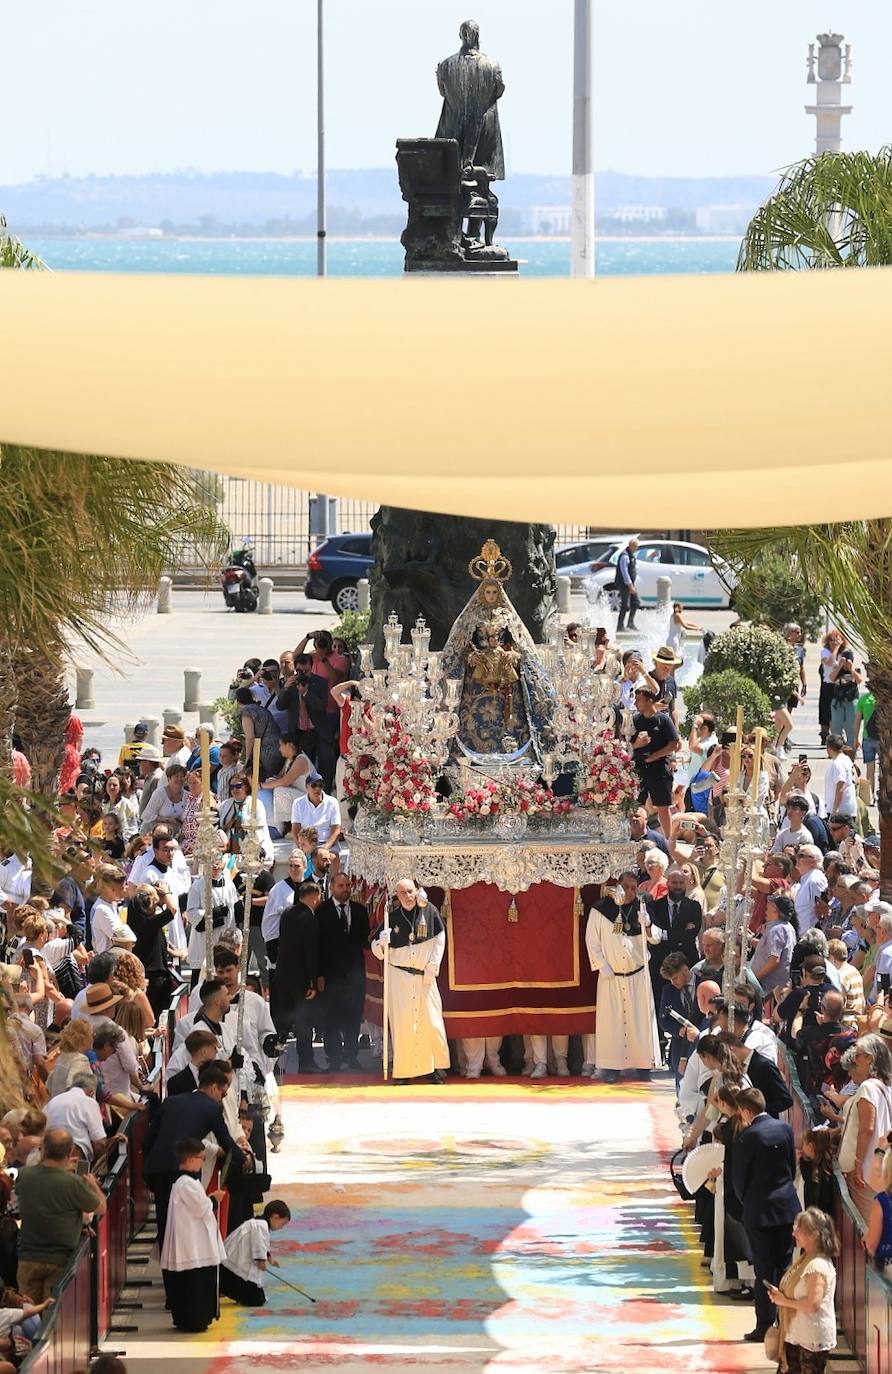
671	401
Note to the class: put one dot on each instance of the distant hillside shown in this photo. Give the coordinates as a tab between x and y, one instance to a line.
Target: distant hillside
360	200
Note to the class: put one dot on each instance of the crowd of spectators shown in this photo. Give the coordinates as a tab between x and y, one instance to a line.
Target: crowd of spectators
91	963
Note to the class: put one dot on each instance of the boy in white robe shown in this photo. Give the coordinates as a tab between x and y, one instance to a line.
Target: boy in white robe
248	1254
193	1250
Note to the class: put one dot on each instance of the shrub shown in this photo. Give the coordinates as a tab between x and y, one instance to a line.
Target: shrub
760	654
227	711
722	693
353	628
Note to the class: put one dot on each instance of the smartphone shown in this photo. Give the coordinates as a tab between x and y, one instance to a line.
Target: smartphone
82	1167
28	958
803	758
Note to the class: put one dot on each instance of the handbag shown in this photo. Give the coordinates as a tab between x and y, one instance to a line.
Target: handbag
773	1343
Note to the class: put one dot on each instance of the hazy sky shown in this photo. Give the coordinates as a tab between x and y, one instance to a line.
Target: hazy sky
695	88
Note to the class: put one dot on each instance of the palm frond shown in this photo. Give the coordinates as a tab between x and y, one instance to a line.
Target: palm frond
84	538
26	825
13	252
834	210
849	566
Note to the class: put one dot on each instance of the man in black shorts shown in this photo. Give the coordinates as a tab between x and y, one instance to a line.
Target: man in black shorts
654	742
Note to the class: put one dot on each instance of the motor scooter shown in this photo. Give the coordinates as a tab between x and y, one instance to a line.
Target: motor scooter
238	579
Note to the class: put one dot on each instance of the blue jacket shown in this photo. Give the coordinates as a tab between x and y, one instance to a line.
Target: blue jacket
763	1169
193	1114
685	1003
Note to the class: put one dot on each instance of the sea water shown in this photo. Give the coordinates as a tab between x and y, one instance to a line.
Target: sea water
365	257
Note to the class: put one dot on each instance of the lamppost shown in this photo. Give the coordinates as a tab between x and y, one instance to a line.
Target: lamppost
582	210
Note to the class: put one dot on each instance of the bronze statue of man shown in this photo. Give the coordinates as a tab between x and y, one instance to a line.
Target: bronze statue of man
471	84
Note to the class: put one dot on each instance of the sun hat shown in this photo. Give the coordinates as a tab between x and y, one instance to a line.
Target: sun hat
173	732
150	753
666	655
100	998
121	933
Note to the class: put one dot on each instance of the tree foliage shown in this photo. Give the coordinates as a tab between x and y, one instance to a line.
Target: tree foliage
722	693
773	590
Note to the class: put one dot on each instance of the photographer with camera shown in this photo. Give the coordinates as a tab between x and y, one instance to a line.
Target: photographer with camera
304	697
799	1007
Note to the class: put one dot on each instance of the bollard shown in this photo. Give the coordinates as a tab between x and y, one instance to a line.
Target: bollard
363	594
153	725
192	689
164	586
207	716
84	700
128	732
171	716
664	591
265	604
563	591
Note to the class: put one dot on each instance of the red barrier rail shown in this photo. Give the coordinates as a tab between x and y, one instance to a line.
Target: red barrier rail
91	1285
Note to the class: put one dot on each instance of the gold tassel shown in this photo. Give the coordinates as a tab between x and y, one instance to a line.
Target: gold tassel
513	913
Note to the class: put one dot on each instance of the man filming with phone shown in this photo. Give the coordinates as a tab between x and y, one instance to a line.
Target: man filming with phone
332	668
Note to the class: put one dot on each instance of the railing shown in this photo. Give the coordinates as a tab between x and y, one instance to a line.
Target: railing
863	1293
91	1284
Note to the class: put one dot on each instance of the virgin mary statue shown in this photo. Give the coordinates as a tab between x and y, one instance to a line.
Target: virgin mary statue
506	700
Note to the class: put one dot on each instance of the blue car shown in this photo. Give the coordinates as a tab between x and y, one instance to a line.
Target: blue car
335	568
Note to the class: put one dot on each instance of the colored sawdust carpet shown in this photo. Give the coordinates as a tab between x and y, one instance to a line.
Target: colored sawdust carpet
501	1226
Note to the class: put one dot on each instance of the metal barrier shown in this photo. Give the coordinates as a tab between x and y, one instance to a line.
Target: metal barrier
91	1284
863	1292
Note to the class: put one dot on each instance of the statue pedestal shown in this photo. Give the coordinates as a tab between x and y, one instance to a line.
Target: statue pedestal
439	203
515	916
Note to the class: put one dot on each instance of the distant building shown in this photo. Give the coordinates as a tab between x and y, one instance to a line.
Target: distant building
548	219
638	214
723	219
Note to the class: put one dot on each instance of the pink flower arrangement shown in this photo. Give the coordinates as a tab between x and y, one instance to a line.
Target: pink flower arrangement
608	778
490	798
482	800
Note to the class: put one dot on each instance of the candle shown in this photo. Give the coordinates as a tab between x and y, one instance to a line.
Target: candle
735	752
548	768
255	779
205	768
757	761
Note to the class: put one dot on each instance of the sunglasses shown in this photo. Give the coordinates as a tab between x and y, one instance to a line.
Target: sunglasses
236	787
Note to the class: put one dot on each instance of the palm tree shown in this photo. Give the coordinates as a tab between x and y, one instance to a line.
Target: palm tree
82	539
834	210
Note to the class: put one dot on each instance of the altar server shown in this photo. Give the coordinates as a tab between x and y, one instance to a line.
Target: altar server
626	1035
414	946
192	1251
248	1254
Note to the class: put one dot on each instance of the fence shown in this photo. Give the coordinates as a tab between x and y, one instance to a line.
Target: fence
277	519
91	1285
863	1293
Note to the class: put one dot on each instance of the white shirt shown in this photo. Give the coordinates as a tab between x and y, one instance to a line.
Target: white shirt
103	919
789	836
15	880
840	770
161	807
813	885
323	818
79	1114
143	862
244	1246
118	1070
882	964
281	896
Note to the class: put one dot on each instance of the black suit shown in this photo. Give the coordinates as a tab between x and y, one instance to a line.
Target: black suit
680	935
315	699
182	1082
342	962
768	1079
764	1167
189	1114
297	971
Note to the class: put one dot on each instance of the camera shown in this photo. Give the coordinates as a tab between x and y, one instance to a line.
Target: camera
244	675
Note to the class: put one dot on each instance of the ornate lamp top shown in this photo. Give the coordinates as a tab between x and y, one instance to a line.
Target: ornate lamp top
490	565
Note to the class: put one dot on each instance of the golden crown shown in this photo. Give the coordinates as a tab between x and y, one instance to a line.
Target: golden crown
490	565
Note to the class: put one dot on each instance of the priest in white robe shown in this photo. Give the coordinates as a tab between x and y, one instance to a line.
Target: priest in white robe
414	946
626	1035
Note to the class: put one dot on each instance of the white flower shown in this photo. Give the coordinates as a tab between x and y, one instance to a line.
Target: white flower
485	809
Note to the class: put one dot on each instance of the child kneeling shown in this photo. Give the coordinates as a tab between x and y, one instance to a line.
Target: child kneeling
247	1255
